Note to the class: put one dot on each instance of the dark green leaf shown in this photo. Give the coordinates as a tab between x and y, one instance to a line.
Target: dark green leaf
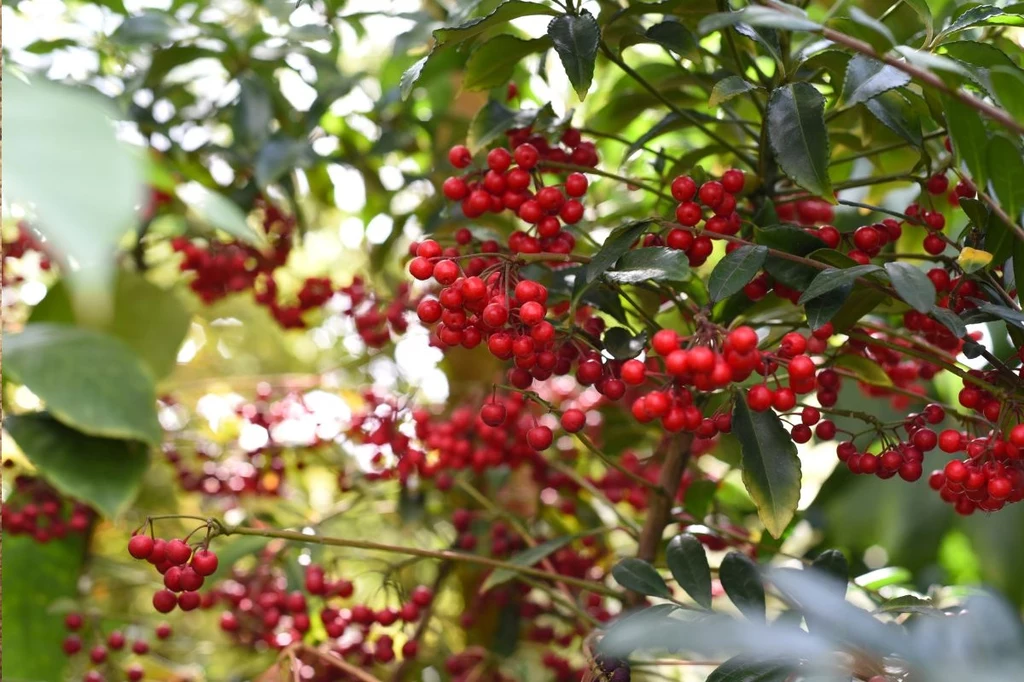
278	157
771	469
165	60
788	239
652	262
614	247
526	558
799	139
833	563
950	321
506	635
89	380
688	563
741	580
867	77
504	13
736	270
895	113
828	280
923	11
575	39
972	17
793	19
879	34
1005	173
977	211
823	308
744	669
149	26
639	576
254	111
1018	269
623	345
670	122
153	321
492	121
48	46
968	135
1008	315
864	369
729	87
912	285
104	473
673	36
493	63
35	576
907	603
1008	84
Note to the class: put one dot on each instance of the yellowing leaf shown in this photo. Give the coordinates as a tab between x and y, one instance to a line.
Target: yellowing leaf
972	260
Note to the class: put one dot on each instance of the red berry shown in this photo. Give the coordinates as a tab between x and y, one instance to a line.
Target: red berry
576	185
665	341
532	313
116	640
688	214
937	184
759	398
459	156
446	272
571	212
98	654
134	672
867	238
539	437
498	160
178	551
164	601
140	546
455	189
633	372
163	631
801	367
72	645
999	488
711	193
743	339
732	181
684	188
421	268
526	156
573	420
429	311
956	471
934	245
492	414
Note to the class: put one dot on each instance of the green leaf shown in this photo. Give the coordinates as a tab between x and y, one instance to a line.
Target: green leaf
894	112
771	469
745	669
672	35
145	28
61	154
794	19
912	285
623	345
670	122
35	576
89	380
977	211
167	59
834	278
907	603
493	63
799	139
48	46
504	13
741	580
968	135
254	111
1005	173
729	87
507	632
736	270
867	77
575	39
151	320
1018	269
102	472
970	18
864	369
615	246
1008	84
411	75
216	211
923	11
930	60
950	321
833	563
639	576
491	122
1005	314
526	558
884	39
280	156
652	262
688	563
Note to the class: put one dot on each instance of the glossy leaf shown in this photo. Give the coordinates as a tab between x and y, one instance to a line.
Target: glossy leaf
62	156
794	19
912	284
880	35
736	270
799	139
1005	171
1008	86
741	580
651	262
216	211
90	381
834	278
673	36
972	17
493	63
575	39
864	369
895	113
492	121
622	345
614	247
640	576
729	87
746	669
503	13
833	563
151	320
968	135
411	75
771	469
102	472
950	321
867	77
688	563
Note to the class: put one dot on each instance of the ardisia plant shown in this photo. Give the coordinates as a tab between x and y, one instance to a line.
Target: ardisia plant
455	376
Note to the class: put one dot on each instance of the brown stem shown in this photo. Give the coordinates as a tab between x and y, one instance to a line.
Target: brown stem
421	627
676	456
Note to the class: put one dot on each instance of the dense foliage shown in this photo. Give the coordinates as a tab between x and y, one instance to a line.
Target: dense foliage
513	340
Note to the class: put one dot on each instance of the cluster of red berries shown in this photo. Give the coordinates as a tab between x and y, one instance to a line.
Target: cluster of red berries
37	510
184	570
114	645
505	185
223	268
376	319
716	196
990	477
805	212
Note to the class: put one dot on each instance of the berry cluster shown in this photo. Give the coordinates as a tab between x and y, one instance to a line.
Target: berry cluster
715	196
375	319
37	510
990	477
107	654
223	268
183	569
507	181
